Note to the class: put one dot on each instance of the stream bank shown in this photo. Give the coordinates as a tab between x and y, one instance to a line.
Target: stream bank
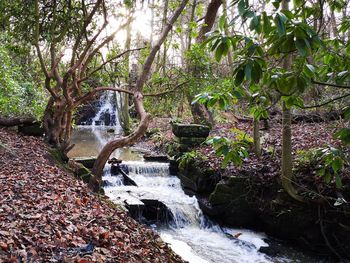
241	199
47	215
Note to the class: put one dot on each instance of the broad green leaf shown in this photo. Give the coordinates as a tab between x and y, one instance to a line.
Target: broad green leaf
239	77
248	71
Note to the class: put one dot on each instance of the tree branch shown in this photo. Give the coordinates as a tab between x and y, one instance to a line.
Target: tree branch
326	102
108	61
330	84
165	92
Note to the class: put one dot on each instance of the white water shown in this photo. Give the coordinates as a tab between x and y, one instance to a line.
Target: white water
188	235
108	105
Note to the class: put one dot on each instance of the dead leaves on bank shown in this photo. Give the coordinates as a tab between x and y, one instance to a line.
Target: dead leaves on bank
47	215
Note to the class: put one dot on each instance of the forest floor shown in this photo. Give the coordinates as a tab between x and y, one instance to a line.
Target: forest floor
265	170
47	215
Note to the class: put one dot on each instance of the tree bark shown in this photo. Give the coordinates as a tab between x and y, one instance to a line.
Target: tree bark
200	113
287	158
145	117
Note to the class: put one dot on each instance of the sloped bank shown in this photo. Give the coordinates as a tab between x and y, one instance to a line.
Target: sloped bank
240	201
47	215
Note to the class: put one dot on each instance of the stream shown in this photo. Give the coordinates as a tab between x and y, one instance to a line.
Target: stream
188	232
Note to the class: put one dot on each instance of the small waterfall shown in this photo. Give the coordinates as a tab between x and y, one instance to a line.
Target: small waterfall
149	168
189	233
107	114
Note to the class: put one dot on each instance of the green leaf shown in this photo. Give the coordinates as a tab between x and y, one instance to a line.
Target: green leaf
248	71
241	7
239	77
280	25
309	70
338	182
347	113
267	28
301	46
337	164
344	135
222	21
298	3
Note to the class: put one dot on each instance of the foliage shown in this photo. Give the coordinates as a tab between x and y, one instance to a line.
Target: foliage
344	133
328	163
187	157
19	94
232	150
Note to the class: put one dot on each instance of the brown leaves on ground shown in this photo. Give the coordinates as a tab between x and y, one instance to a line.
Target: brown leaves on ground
46	215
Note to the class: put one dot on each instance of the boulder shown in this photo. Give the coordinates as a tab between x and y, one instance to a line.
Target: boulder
151	211
190	130
231	204
156	211
34	129
191	141
196	175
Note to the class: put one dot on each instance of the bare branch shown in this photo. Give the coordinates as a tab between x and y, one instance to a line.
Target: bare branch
330	84
108	61
326	102
165	92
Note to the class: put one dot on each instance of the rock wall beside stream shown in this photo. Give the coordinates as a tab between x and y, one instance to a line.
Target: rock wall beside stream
236	201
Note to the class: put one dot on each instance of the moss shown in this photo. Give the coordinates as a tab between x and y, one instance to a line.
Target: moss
57	157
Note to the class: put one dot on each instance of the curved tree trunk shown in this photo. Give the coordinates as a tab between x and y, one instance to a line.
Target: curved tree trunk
145	117
57	122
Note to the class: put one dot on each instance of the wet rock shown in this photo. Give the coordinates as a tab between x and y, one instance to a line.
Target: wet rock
197	176
34	129
98	123
156	211
173	167
110	130
87	112
231	204
191	141
190	130
106	183
117	170
156	158
150	211
107	118
270	251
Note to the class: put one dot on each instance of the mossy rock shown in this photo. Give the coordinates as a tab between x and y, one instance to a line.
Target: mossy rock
191	141
190	130
198	176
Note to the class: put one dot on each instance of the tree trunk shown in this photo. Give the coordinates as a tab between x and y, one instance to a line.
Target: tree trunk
199	112
287	158
57	122
145	117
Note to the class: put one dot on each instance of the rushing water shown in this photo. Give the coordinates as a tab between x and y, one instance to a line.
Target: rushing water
190	234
